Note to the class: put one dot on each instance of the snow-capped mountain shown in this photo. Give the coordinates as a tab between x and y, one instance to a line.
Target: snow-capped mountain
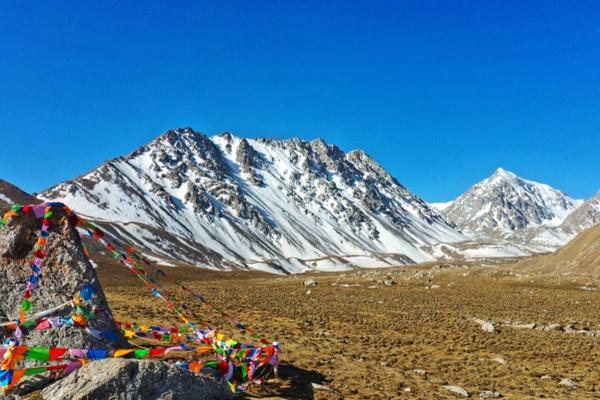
224	201
441	206
584	217
507	207
11	194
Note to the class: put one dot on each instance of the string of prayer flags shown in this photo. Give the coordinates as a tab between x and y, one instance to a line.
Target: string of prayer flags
249	360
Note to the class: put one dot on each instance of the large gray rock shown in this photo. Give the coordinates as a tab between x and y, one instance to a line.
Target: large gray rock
122	379
486	326
66	270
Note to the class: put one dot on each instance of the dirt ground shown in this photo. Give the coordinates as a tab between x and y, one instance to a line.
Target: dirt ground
361	339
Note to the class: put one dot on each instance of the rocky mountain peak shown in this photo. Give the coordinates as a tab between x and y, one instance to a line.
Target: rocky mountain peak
365	163
501	172
226	135
256	199
179	133
504	203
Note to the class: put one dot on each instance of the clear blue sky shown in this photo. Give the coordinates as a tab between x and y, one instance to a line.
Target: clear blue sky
439	92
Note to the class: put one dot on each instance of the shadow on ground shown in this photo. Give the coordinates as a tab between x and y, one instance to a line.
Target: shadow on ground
293	383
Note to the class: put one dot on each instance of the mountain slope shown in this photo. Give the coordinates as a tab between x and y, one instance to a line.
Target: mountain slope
584	217
507	207
579	256
11	194
264	204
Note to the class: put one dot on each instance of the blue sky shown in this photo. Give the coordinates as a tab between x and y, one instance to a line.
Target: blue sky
439	92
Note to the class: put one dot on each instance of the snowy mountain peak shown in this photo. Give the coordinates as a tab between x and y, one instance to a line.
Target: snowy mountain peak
505	203
501	173
225	200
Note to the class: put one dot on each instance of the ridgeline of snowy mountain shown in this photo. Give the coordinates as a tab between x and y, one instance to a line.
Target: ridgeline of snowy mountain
507	207
266	204
584	217
440	206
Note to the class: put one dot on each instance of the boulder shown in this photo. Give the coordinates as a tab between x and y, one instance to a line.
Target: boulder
486	326
499	360
524	326
125	379
555	327
457	390
490	394
64	272
568	383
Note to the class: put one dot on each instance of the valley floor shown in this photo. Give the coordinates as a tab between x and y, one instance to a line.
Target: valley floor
360	339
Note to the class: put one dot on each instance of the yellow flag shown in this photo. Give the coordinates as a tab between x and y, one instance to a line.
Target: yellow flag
129	333
122	352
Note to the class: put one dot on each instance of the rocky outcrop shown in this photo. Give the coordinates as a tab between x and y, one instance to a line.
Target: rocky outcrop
119	379
65	271
249	160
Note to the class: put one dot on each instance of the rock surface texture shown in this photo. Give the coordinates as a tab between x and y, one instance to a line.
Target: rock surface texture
119	379
65	271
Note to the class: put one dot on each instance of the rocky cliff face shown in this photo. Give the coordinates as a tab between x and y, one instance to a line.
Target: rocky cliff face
65	272
257	203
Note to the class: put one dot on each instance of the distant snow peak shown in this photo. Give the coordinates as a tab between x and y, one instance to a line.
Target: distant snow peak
225	201
506	206
441	206
504	173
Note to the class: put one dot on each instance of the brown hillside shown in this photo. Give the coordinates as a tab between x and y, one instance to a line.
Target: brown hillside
16	195
580	256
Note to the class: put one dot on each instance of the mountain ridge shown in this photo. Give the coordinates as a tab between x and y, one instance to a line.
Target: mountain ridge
291	205
258	199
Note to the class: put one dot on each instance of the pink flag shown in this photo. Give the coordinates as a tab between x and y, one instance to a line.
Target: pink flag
39	210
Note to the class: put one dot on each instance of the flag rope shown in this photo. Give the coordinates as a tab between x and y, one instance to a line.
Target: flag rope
231	356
